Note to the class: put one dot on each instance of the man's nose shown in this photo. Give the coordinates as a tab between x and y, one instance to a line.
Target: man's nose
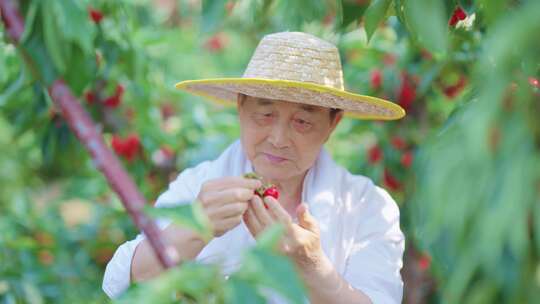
279	136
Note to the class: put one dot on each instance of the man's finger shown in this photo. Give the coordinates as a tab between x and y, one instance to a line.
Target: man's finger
232	209
305	219
233	182
252	222
277	210
260	212
227	196
229	223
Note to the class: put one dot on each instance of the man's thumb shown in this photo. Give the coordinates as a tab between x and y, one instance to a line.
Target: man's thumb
305	219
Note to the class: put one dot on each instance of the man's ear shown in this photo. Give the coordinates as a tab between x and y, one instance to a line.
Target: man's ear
238	102
335	122
337	119
240	98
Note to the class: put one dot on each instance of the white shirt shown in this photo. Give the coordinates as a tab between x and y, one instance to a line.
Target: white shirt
359	224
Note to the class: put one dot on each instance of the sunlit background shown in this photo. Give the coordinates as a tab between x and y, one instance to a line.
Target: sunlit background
464	165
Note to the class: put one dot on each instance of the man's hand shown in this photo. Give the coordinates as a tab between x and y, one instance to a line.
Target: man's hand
301	242
224	200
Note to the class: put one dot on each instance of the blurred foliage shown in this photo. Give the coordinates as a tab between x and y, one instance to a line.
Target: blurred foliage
463	165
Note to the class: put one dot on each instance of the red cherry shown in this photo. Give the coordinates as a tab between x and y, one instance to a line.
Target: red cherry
119	90
406	93
398	143
115	100
117	144
424	262
390	181
534	82
426	54
453	90
460	13
216	43
376	79
112	101
375	154
128	147
271	191
328	19
167	152
457	15
133	146
229	6
90	97
95	15
407	159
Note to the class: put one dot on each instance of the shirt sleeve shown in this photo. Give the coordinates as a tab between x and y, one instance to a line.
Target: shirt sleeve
376	255
182	190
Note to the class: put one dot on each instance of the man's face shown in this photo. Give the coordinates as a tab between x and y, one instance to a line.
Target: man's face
282	139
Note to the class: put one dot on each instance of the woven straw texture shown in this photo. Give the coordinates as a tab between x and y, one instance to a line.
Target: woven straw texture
295	67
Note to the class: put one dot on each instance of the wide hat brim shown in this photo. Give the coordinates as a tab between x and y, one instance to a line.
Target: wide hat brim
225	91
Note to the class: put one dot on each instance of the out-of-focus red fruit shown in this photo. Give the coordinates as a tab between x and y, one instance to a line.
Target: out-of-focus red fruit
453	90
216	43
167	110
116	99
128	147
389	59
406	93
398	143
457	15
407	159
112	102
90	97
375	154
229	7
534	82
95	15
390	181
45	257
424	262
376	79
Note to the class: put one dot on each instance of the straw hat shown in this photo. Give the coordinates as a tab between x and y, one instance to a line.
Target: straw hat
296	67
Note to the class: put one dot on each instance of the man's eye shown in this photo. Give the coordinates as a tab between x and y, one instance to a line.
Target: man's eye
302	125
263	117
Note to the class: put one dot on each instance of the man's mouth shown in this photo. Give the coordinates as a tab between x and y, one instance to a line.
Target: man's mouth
274	159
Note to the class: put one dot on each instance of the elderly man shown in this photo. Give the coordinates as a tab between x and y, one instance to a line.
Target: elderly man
342	231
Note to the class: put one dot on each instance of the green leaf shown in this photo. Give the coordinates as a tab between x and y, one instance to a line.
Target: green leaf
188	215
82	70
270	237
213	13
374	15
53	42
200	282
351	12
427	22
75	25
32	294
493	9
29	19
278	273
13	87
34	47
242	292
